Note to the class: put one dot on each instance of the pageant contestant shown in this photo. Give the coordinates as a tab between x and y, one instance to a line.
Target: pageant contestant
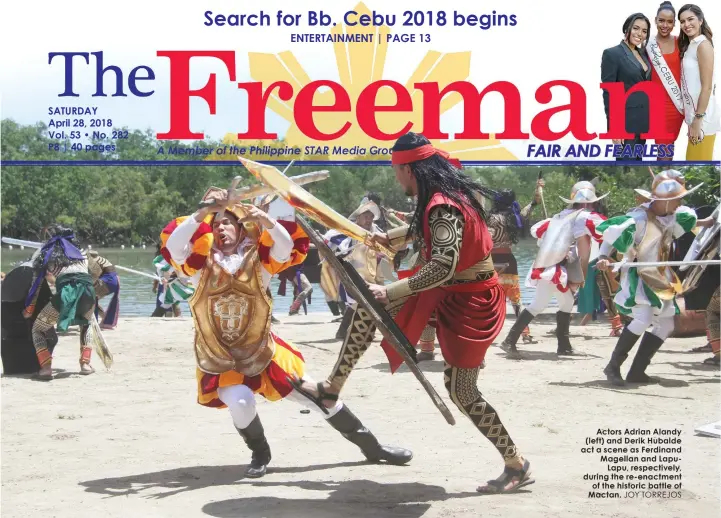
105	282
564	249
74	300
627	63
231	258
458	283
645	234
504	224
698	83
663	53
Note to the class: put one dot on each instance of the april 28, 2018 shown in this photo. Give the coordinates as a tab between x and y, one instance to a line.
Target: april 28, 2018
623	151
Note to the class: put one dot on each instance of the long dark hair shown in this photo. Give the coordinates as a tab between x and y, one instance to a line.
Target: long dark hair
382	222
503	206
628	25
436	174
683	41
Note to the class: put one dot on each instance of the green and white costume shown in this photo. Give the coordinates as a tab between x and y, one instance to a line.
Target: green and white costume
639	235
175	289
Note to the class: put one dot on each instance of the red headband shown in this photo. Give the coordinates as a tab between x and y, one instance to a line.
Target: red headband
420	153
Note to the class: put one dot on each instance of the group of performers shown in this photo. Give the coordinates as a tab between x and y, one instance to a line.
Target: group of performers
221	259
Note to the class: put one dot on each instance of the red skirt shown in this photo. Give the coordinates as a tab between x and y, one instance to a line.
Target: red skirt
468	318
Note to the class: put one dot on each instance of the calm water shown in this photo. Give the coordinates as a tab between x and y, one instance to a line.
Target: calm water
137	298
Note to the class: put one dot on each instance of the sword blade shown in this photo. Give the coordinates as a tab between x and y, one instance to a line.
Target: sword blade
34	244
705	262
21	242
136	272
357	288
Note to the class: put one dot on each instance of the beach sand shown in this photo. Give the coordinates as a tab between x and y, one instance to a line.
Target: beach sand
134	442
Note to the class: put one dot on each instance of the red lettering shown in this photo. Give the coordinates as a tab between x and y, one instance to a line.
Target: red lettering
303	109
366	109
432	98
257	102
180	92
617	99
541	124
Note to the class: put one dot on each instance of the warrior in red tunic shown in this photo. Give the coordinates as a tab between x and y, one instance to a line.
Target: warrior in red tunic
457	285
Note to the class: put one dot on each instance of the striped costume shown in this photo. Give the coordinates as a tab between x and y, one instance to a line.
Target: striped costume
237	354
647	294
173	290
187	245
625	234
564	247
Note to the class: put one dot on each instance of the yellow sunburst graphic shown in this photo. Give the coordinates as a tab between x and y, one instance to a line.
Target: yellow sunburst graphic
360	63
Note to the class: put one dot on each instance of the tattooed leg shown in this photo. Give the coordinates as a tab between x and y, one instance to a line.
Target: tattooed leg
358	338
462	387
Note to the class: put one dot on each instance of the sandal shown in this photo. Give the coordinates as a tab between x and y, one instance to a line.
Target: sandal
500	485
317	400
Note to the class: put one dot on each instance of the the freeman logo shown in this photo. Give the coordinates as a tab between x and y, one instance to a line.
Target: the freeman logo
365	109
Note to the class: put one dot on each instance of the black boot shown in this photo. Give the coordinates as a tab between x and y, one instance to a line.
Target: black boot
563	322
646	349
352	429
254	437
509	344
334	307
347	319
625	343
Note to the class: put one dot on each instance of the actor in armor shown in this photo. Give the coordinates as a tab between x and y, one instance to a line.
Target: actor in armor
648	294
230	258
564	249
60	260
457	283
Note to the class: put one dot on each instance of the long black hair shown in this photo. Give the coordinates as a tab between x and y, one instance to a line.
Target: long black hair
628	26
382	221
503	206
436	174
683	41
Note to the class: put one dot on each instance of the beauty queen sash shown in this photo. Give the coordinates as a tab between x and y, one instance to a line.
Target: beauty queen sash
661	67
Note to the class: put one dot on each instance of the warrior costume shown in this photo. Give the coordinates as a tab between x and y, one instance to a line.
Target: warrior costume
171	289
375	268
302	288
647	294
505	221
237	354
557	264
105	282
460	286
73	302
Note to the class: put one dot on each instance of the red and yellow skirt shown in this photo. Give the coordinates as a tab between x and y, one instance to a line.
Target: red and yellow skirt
271	383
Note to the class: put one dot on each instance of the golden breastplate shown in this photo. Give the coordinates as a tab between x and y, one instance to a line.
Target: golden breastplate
232	319
656	246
